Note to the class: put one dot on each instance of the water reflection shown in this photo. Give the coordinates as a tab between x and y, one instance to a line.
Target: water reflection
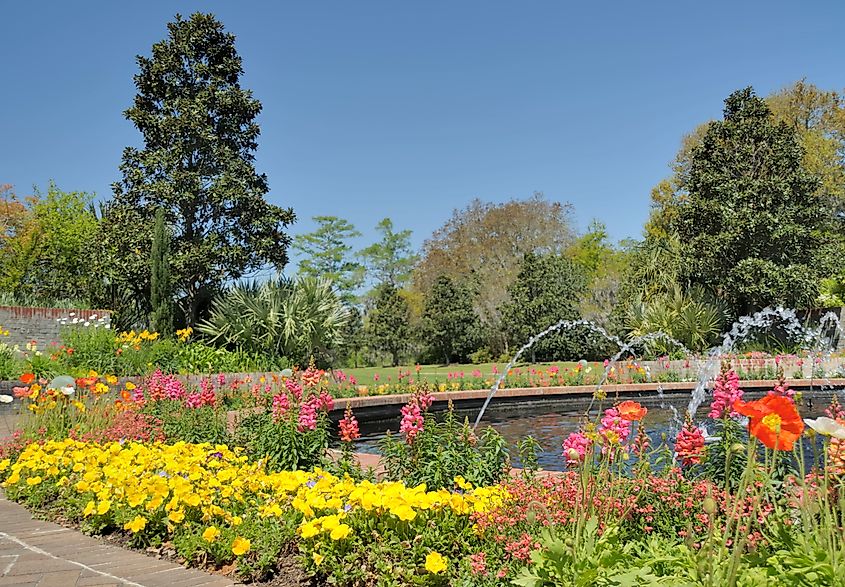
551	421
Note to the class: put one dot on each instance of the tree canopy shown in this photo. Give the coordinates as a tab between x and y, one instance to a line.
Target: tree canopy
326	252
482	247
197	164
754	219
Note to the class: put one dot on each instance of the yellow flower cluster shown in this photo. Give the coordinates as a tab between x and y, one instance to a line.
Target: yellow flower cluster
141	487
136	338
184	334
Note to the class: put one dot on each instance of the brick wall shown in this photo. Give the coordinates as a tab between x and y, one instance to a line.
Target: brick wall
39	324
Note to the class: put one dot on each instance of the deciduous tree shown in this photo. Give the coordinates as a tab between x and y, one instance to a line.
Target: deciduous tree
482	246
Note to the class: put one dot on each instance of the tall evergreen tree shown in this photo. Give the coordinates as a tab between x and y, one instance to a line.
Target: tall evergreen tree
199	131
754	221
391	259
387	322
449	324
161	298
546	290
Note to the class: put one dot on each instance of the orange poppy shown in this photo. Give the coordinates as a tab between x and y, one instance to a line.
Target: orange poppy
631	411
773	420
27	378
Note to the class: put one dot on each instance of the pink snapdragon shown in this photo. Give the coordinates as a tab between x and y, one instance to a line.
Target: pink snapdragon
161	386
308	414
689	444
614	429
281	405
575	447
725	392
412	420
294	388
325	401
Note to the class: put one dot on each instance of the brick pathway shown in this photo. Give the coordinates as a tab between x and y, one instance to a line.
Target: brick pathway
43	554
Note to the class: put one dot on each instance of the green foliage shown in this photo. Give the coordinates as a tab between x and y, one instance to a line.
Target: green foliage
281	317
327	254
690	318
449	326
199	133
10	365
161	319
387	323
547	290
101	350
726	458
281	443
46	246
391	259
443	451
754	219
194	425
482	247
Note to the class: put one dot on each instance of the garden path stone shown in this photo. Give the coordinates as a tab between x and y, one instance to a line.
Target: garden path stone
44	554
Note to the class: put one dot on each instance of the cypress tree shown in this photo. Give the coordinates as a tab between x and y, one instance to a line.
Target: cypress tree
161	318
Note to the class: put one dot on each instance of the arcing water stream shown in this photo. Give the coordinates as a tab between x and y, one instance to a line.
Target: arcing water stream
784	318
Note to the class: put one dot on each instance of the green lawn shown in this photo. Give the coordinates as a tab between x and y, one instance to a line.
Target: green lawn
365	375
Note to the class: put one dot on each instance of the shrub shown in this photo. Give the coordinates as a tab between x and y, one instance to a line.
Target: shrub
434	453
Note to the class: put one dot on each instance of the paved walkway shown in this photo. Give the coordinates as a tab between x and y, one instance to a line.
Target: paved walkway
37	553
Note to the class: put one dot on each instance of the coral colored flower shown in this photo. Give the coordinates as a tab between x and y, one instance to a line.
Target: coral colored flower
773	420
349	426
689	444
631	411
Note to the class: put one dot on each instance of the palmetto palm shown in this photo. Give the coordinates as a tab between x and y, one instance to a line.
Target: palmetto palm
282	317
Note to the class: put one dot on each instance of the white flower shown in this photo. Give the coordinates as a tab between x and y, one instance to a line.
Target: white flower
108	326
72	314
92	316
5	399
87	323
68	390
826	427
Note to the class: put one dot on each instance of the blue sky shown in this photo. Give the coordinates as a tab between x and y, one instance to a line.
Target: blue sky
411	109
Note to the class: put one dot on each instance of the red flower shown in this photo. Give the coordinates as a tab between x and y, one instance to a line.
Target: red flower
773	420
631	411
27	378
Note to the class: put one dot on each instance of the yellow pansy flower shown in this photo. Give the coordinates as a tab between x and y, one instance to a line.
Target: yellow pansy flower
136	525
240	546
340	532
435	563
211	533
